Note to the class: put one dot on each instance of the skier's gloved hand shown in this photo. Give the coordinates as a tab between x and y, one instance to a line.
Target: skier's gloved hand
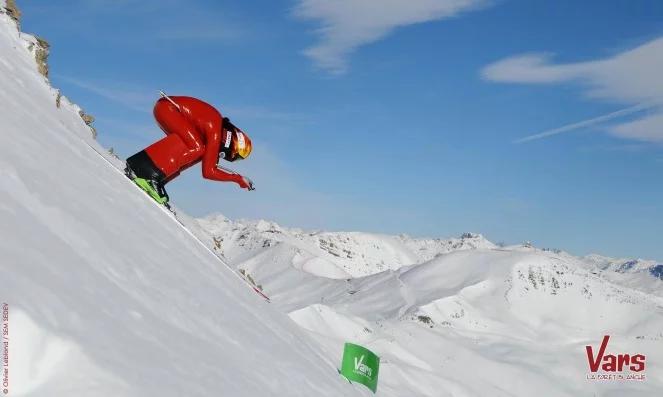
245	183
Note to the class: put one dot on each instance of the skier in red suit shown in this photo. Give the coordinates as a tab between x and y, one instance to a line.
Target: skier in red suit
195	131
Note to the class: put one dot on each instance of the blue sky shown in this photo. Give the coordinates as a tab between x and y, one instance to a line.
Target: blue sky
519	119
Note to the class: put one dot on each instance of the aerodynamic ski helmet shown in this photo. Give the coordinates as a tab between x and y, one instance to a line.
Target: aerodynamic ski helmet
237	145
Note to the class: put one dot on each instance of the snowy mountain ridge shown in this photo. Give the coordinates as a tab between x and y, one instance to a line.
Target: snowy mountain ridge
464	301
625	265
345	254
358	254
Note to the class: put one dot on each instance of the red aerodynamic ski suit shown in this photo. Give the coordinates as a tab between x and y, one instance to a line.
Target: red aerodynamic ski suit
193	133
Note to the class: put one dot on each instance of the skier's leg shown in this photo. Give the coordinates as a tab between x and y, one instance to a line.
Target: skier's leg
172	121
142	166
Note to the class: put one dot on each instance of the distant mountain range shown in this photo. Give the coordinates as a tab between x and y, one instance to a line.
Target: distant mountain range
459	316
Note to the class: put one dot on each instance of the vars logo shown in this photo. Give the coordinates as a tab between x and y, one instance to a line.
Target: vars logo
614	362
362	368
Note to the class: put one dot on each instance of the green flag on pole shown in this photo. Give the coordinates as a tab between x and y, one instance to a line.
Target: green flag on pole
360	365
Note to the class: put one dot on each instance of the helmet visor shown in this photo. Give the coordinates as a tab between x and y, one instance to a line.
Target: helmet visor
241	147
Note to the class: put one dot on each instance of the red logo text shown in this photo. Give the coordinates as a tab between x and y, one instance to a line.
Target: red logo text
613	362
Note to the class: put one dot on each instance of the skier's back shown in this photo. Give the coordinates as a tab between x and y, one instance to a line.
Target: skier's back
195	131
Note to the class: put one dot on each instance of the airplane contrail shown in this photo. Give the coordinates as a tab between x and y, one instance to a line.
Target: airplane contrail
585	123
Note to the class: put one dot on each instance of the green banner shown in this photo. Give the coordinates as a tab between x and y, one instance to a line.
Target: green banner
360	365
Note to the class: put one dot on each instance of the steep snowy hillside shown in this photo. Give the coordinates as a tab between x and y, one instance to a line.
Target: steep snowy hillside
106	294
463	318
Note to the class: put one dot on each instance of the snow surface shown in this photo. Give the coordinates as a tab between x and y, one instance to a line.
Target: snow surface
457	317
109	296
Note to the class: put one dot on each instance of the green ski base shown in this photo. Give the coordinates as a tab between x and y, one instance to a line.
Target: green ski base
147	188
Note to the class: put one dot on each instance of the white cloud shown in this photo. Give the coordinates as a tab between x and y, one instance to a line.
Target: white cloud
531	68
632	77
349	24
648	128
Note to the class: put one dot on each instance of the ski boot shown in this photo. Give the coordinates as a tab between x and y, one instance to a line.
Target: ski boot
153	188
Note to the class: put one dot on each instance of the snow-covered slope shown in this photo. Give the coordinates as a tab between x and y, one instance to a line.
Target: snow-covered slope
107	295
457	317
